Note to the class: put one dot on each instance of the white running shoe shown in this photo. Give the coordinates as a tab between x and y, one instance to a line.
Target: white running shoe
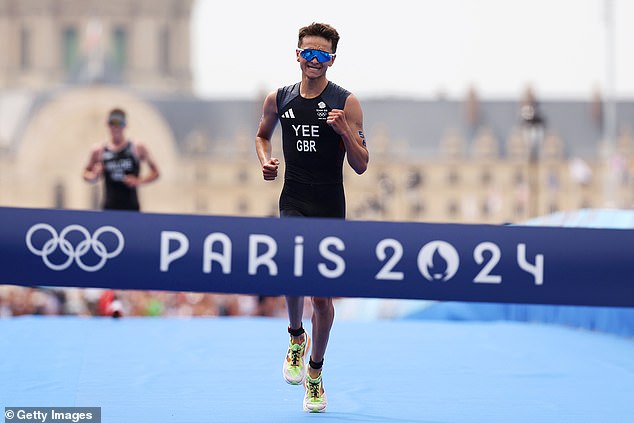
315	400
294	369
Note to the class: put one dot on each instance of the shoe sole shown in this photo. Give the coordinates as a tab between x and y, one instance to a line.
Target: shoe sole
314	410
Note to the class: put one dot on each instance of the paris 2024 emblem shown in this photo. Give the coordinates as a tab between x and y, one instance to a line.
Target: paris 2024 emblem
438	261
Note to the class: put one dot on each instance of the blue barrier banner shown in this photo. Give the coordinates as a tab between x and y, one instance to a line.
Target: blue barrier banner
319	257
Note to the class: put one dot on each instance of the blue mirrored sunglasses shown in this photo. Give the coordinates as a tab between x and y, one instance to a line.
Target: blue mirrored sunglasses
119	123
310	53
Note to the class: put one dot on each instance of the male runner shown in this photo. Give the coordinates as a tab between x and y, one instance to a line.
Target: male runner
119	161
321	124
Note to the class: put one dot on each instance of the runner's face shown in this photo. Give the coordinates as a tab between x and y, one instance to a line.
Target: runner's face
314	69
116	130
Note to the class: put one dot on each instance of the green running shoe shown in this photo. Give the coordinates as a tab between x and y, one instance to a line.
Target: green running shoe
315	400
294	369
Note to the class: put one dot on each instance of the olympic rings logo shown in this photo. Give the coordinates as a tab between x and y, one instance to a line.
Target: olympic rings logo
90	242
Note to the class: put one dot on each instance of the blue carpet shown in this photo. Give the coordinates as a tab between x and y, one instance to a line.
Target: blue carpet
229	370
616	320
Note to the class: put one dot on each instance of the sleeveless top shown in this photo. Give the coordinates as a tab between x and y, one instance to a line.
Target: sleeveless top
313	151
117	164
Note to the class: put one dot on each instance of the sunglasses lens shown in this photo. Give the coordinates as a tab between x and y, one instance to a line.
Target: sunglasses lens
310	54
322	56
307	54
117	123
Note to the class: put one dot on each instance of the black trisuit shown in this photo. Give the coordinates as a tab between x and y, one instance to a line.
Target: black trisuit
116	165
313	153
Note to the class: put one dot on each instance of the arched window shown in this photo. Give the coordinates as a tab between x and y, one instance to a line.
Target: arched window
70	47
120	48
59	195
164	64
25	49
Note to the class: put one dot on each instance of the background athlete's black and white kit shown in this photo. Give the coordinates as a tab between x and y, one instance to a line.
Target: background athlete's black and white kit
116	165
313	153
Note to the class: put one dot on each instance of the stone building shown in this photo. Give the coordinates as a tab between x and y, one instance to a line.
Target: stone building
65	63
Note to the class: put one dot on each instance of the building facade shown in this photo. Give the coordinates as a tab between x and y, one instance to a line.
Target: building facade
141	44
68	62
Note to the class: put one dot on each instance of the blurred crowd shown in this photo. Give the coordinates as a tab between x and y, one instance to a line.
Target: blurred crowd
18	301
